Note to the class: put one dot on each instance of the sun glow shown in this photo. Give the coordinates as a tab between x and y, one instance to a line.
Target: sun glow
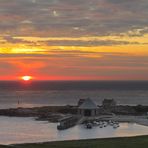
26	78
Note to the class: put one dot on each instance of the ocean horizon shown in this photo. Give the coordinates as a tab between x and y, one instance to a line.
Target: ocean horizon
75	85
48	93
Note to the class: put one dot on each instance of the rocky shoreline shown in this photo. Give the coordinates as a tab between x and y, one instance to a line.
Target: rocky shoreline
54	113
48	113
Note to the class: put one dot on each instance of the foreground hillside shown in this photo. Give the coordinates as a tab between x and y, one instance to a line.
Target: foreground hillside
132	142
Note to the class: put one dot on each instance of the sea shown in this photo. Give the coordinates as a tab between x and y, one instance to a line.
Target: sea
47	93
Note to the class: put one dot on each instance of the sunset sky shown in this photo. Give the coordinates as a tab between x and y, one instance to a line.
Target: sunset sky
74	39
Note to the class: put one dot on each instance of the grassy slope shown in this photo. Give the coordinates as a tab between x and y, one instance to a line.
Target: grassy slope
134	142
2	146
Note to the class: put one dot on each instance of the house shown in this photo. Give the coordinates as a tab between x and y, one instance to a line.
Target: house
108	103
88	108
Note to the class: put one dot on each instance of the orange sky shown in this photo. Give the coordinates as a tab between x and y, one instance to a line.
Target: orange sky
74	40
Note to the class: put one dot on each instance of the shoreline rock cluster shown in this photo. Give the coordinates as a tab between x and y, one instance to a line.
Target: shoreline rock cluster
54	113
46	113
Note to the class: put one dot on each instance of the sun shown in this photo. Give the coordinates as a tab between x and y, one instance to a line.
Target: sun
26	78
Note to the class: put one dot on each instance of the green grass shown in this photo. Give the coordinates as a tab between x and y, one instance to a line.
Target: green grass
132	142
3	146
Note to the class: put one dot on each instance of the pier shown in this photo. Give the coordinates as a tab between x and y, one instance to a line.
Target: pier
67	122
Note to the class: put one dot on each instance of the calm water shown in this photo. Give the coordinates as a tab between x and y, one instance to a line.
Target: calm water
66	92
29	98
26	130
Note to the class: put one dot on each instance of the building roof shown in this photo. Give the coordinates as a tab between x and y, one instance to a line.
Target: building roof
108	100
80	102
88	104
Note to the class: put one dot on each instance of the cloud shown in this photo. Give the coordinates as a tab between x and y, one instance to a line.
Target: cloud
74	37
61	17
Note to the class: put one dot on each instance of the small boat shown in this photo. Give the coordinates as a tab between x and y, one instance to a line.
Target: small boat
96	123
104	122
89	125
111	123
101	126
116	125
105	125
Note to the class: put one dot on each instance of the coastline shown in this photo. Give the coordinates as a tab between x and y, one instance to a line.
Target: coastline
54	113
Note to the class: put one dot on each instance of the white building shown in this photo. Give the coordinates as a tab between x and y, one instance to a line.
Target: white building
88	108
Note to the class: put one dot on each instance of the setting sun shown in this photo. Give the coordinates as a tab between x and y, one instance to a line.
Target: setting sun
26	78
